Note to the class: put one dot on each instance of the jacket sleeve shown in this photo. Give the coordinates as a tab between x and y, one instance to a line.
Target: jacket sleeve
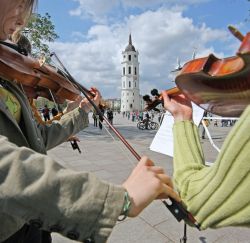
36	189
217	195
70	124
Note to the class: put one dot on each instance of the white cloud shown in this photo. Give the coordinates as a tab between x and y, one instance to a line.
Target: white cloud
160	36
99	11
94	9
169	3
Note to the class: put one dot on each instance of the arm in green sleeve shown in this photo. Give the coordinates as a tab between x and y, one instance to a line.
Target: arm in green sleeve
217	195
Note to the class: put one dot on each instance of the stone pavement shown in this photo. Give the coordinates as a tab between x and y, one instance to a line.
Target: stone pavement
111	161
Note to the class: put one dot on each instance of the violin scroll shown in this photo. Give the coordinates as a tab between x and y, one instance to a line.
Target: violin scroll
236	33
151	104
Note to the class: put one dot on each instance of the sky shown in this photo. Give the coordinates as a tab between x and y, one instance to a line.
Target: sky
93	34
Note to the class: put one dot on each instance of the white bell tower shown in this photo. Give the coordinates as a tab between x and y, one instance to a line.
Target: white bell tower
130	95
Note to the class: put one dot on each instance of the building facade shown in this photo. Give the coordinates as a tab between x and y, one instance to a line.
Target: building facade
113	104
130	91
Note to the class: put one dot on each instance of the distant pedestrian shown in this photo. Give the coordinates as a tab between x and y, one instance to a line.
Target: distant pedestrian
110	116
147	117
206	121
54	111
45	113
203	128
160	118
141	116
133	116
94	116
100	118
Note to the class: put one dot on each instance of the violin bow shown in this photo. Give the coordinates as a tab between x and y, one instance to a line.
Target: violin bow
176	208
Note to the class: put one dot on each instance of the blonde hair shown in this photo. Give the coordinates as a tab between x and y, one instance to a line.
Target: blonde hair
30	6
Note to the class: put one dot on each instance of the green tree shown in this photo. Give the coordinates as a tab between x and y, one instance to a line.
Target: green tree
40	30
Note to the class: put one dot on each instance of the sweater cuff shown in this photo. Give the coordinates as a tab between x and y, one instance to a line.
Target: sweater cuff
111	211
184	125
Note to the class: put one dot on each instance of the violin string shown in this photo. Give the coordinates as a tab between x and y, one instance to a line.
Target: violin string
62	73
53	98
118	145
22	89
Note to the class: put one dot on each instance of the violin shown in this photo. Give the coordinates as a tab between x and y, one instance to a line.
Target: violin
220	86
36	79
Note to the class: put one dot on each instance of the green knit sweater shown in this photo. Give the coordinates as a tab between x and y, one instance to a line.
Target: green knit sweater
219	195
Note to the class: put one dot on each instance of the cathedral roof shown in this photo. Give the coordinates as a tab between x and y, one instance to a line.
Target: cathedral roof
130	46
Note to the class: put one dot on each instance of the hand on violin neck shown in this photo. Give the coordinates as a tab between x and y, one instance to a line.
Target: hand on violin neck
86	105
179	106
146	183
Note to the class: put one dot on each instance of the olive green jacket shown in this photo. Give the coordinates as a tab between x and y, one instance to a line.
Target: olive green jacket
35	189
218	196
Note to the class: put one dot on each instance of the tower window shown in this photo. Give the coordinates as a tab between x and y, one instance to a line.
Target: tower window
135	84
135	56
135	70
129	84
129	57
123	84
123	70
129	70
124	56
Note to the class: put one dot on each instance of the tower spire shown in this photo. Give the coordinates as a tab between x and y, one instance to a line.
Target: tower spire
130	46
130	39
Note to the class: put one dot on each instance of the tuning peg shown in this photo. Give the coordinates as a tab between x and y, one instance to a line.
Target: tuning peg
155	92
146	98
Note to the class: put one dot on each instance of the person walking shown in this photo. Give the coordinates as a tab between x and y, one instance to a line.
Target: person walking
110	116
99	117
95	118
54	111
45	112
147	118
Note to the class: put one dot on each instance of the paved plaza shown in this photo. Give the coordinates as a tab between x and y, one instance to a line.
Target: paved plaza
110	160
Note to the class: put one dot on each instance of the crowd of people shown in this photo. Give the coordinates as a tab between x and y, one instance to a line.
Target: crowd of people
39	196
